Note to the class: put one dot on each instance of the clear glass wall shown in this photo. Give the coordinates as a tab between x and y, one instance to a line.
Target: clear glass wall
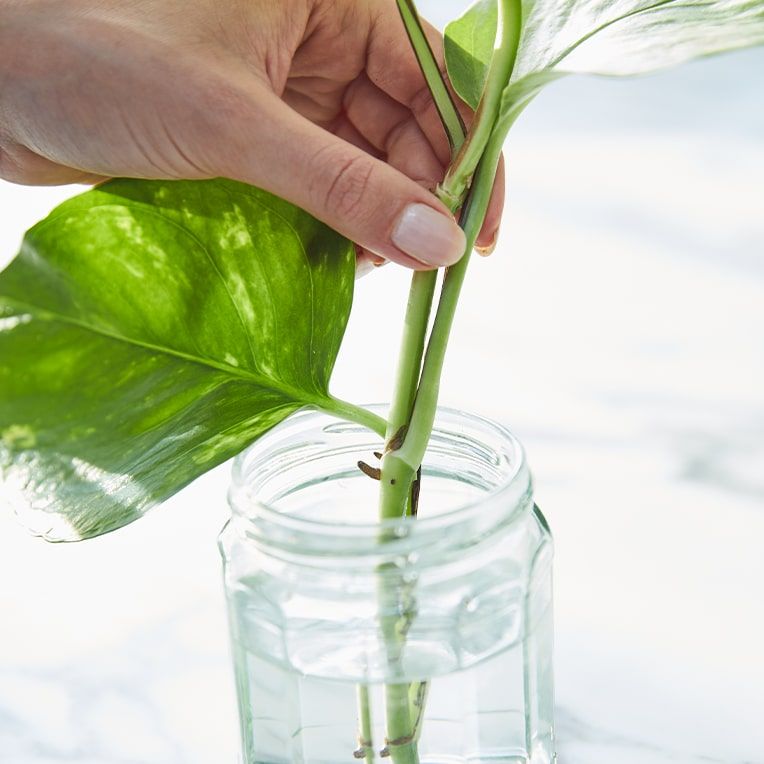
426	639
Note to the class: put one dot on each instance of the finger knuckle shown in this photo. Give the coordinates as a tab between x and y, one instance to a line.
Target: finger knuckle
349	189
399	133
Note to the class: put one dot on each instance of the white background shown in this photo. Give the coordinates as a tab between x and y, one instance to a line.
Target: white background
619	330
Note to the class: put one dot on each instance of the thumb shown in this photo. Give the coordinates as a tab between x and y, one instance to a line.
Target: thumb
362	197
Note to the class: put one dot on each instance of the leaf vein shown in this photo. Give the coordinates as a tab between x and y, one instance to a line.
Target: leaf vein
275	385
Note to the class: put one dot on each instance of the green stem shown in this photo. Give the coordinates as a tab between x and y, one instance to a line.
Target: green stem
412	349
462	169
417	700
406	383
366	732
441	95
401	741
397	609
410	455
423	282
403	722
479	154
399	466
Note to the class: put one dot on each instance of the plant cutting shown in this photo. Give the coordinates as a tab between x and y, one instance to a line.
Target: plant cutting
215	311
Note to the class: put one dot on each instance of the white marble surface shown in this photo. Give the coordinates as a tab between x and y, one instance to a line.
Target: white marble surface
620	331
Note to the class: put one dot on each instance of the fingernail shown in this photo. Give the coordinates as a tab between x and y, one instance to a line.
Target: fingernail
429	236
488	249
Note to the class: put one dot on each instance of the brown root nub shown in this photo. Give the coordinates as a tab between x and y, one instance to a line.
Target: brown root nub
378	454
397	440
364	748
375	473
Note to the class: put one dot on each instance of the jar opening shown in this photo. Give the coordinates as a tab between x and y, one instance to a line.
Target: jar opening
300	484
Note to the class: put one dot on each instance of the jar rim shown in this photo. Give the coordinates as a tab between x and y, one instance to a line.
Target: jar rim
514	491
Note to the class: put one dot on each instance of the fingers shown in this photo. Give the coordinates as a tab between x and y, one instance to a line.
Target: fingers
20	165
345	129
367	200
393	131
366	261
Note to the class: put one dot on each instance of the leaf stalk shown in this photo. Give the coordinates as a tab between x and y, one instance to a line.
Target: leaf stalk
352	413
441	95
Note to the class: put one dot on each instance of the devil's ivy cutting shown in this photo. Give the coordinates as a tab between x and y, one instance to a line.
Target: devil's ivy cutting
151	330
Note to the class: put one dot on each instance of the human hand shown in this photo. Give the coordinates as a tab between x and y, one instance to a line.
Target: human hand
318	101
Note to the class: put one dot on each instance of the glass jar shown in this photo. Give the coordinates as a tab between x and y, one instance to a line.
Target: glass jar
423	640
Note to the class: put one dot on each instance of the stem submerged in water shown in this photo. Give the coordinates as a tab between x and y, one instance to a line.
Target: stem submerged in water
365	749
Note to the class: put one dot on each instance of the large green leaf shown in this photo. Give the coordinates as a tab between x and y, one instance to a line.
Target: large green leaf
608	37
151	330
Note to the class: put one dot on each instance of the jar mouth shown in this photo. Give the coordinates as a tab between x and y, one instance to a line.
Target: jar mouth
502	497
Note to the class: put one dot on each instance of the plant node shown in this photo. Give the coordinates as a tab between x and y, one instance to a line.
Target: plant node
449	198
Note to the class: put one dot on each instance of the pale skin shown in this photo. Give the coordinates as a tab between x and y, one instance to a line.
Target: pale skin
318	101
